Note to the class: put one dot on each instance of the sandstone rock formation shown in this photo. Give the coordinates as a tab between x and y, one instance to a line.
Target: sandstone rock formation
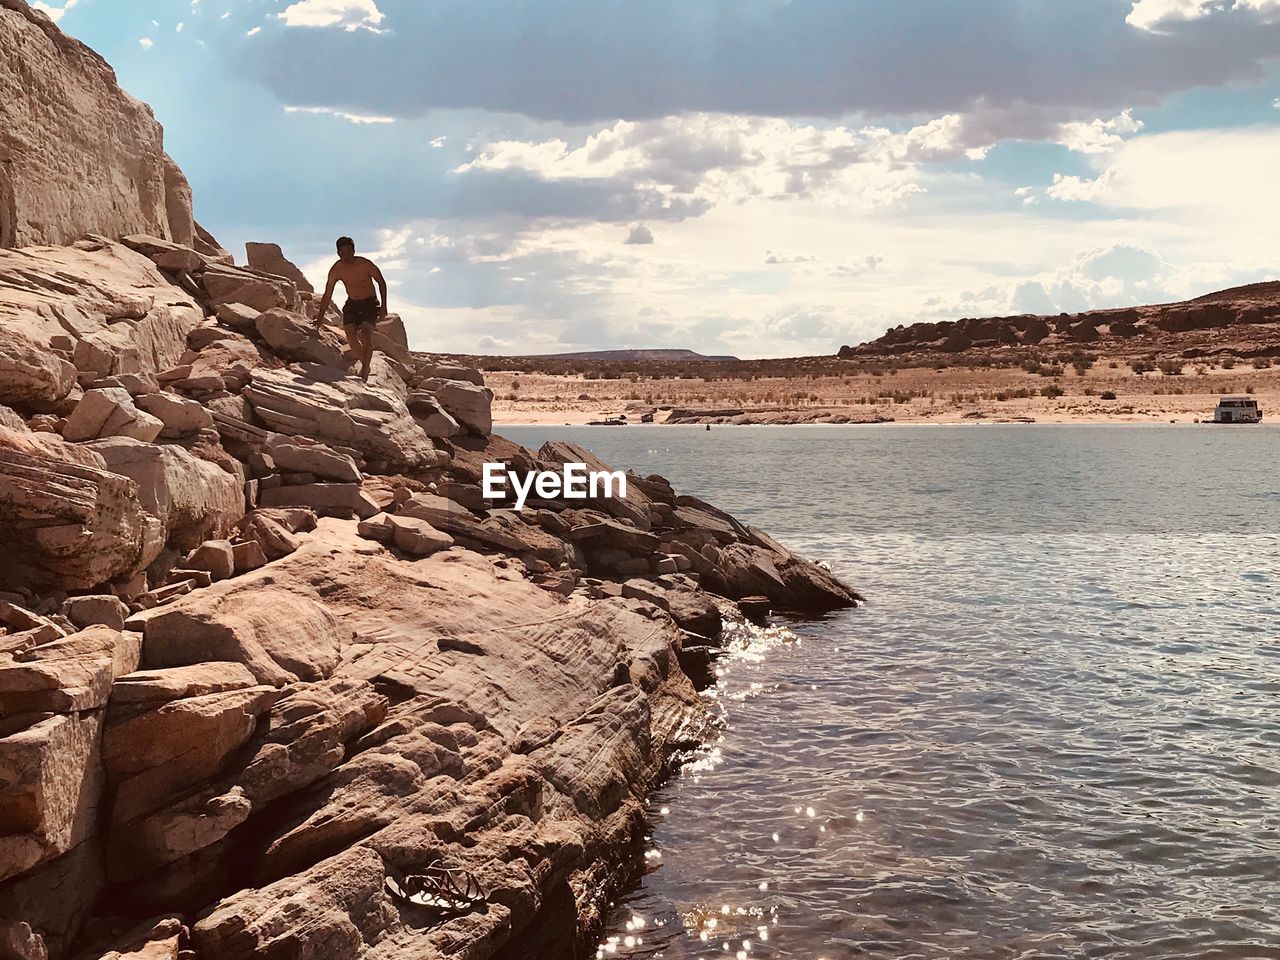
69	137
269	258
302	652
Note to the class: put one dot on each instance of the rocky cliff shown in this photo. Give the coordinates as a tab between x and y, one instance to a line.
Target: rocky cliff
1239	322
77	154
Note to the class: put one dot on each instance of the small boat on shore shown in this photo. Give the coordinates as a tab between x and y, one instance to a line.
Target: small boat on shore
619	421
1237	410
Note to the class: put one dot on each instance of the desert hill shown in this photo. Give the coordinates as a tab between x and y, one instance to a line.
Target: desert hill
655	356
1243	322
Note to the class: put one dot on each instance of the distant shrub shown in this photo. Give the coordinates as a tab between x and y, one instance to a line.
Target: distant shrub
1052	391
1170	368
1108	395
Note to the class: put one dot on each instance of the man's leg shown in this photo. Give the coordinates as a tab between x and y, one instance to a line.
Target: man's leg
366	349
352	331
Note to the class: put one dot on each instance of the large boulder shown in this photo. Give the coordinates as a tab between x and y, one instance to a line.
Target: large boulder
469	404
417	537
791	582
178	415
293	337
165	254
110	412
323	404
224	284
66	519
50	788
195	500
269	258
96	309
31	373
445	370
279	635
77	154
69	674
431	416
314	458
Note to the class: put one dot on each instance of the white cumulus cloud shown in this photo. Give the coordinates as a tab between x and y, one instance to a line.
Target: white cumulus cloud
358	118
54	13
1158	15
347	14
1098	136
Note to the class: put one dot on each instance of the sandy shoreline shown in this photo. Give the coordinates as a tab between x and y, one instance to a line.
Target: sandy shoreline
1108	391
1081	421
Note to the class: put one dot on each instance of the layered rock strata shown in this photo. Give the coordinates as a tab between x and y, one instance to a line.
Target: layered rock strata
266	643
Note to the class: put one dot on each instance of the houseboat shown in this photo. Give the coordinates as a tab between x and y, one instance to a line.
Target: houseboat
1237	410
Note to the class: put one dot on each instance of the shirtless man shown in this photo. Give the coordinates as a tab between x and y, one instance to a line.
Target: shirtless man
362	310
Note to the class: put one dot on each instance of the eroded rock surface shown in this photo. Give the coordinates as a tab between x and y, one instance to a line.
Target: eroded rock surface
70	138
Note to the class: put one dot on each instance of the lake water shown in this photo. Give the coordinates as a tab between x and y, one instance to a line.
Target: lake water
1053	730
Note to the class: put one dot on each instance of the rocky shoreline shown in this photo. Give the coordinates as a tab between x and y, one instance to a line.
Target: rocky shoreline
267	644
771	416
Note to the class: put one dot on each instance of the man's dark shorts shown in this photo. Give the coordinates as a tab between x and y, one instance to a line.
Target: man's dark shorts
357	313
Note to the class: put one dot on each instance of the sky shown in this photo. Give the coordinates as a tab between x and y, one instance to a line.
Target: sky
763	178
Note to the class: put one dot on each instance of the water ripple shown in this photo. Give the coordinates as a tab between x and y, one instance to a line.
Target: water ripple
1050	733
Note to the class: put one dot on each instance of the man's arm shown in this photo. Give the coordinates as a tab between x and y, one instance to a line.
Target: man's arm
382	289
328	294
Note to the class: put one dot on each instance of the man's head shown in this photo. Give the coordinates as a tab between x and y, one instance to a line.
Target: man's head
346	248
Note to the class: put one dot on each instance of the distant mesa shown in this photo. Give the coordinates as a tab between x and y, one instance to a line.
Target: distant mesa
659	356
1241	320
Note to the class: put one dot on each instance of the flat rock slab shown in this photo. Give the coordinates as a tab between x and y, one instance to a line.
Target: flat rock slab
317	459
153	755
330	406
72	673
611	533
417	537
152	688
327	499
69	522
195	500
50	789
280	635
